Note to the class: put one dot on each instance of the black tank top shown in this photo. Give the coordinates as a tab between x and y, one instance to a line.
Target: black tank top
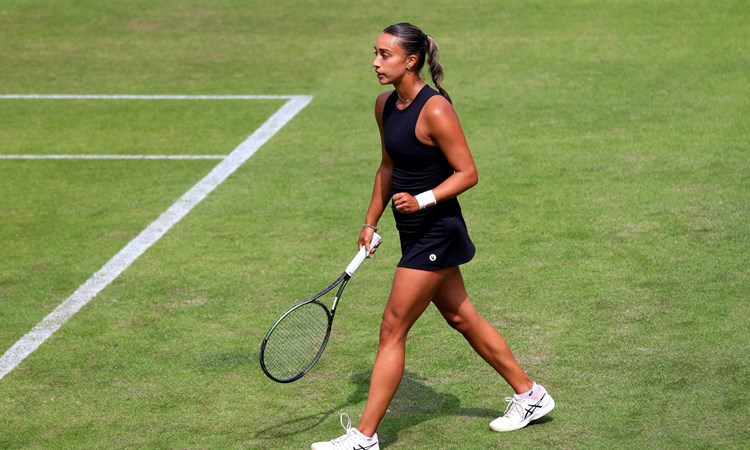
416	167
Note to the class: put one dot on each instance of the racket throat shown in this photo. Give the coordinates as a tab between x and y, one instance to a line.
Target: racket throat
336	299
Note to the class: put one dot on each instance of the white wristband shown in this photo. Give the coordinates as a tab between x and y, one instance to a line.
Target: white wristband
425	199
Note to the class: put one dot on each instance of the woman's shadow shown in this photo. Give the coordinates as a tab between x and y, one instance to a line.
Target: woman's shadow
414	403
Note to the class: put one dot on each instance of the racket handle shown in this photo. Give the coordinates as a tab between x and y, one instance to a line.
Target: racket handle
362	255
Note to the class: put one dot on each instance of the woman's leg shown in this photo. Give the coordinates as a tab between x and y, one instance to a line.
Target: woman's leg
454	304
411	293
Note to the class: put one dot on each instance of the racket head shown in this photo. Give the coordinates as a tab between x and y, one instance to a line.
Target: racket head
295	342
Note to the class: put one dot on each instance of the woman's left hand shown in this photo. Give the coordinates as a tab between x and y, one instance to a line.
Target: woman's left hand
405	203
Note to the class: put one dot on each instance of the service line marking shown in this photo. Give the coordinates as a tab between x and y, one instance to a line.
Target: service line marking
149	236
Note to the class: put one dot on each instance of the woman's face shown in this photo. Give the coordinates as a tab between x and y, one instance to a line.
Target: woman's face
390	59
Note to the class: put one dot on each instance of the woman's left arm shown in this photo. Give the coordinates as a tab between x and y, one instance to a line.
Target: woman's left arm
438	126
441	128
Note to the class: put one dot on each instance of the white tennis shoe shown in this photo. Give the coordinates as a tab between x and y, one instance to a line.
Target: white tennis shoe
520	412
352	440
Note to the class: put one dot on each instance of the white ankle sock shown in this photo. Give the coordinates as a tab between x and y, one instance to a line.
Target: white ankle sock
369	438
528	394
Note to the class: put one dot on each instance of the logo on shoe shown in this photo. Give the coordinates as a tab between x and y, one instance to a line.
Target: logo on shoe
361	447
532	408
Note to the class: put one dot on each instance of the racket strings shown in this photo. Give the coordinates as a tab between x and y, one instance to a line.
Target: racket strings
296	341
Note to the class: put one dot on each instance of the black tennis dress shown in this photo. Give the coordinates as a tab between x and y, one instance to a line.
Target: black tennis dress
436	237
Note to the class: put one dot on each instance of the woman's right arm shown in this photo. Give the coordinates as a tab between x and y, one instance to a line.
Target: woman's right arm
381	191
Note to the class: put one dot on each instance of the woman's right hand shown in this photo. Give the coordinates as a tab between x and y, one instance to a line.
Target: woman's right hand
365	238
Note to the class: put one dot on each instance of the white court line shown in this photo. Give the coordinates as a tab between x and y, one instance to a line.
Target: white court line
148	237
145	97
113	156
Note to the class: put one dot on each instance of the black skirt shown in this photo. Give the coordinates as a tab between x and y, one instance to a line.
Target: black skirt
434	238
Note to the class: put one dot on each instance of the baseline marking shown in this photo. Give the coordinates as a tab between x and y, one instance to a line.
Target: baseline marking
148	237
145	97
113	156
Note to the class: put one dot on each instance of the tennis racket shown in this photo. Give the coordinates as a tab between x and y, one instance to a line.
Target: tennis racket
295	342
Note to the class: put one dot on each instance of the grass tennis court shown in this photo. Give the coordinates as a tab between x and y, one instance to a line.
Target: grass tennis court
611	221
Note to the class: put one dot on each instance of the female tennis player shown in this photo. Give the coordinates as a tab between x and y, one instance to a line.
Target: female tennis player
425	165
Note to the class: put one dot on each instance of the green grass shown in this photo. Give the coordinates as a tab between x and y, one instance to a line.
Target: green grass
610	219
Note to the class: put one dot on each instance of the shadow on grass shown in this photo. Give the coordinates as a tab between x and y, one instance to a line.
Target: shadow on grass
414	403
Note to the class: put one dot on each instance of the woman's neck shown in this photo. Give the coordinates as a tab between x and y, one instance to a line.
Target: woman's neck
408	89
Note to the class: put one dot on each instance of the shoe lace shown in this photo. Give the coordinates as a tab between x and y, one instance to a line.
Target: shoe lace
347	427
514	407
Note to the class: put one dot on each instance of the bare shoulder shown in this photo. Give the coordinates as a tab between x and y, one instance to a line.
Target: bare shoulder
438	110
382	97
380	104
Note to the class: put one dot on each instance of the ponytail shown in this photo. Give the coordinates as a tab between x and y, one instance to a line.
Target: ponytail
436	69
415	42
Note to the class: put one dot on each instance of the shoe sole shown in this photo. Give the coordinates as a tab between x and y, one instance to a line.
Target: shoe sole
536	416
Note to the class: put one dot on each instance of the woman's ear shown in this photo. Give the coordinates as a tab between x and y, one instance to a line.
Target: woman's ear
411	62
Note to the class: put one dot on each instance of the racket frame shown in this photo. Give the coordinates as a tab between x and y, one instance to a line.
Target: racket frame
341	282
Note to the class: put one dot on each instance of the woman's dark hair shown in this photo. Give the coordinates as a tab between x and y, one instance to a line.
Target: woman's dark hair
415	42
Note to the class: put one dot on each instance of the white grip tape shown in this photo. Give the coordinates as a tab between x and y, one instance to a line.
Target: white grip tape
362	255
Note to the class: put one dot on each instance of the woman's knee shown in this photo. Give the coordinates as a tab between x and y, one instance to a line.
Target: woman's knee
463	319
457	322
392	327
